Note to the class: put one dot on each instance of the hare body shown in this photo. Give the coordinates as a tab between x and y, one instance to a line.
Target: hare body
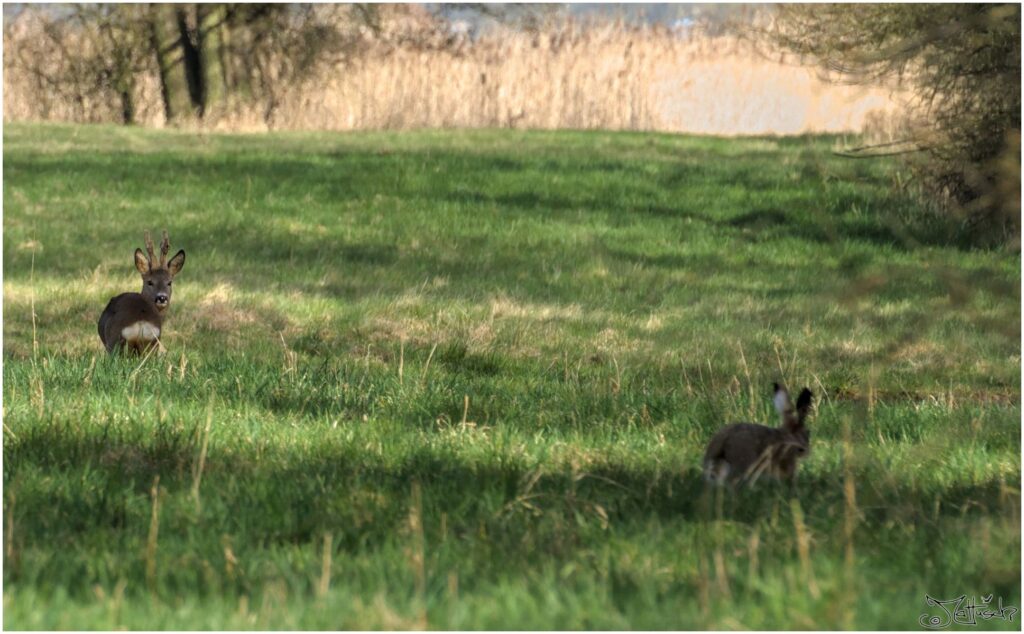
748	451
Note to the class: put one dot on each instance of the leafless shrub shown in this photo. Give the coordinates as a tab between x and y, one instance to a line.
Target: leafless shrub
349	67
962	63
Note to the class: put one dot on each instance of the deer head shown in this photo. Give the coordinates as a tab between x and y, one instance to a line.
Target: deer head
157	275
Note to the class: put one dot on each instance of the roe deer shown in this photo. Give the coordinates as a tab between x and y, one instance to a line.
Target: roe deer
134	320
745	451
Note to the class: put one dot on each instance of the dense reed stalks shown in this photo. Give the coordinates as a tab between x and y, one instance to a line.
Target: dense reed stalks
606	75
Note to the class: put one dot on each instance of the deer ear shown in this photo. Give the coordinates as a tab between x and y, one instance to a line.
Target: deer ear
781	399
176	263
141	262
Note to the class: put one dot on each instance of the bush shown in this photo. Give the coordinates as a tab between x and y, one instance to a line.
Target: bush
962	62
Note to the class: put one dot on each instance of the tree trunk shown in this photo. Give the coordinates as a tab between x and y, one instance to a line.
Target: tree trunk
170	56
127	107
210	19
188	27
237	42
225	57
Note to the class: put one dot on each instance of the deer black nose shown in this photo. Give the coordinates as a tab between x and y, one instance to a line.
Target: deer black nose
161	298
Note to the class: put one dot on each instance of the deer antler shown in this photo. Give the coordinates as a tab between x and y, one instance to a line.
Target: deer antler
149	250
165	246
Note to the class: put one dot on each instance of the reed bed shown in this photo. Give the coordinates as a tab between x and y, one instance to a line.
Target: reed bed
597	75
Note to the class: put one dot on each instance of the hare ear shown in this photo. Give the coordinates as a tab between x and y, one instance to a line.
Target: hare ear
803	403
781	399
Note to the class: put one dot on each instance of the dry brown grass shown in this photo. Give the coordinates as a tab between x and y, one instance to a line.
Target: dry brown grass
600	75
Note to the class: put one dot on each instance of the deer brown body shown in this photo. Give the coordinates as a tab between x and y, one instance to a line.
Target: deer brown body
134	321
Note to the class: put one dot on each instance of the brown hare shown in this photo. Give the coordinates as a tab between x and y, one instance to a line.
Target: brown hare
133	320
746	451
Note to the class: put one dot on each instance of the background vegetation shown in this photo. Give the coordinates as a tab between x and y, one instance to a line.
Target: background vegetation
963	64
464	379
359	67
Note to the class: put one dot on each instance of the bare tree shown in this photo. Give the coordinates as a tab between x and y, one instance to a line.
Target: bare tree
207	56
964	63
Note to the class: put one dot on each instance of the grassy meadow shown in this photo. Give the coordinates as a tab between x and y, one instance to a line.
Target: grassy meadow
463	379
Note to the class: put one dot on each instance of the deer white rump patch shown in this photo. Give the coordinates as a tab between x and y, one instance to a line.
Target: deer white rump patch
140	331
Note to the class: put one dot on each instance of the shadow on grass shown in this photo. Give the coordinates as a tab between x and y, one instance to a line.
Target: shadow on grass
330	178
102	475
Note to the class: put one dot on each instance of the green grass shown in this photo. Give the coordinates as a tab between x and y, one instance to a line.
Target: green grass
470	376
